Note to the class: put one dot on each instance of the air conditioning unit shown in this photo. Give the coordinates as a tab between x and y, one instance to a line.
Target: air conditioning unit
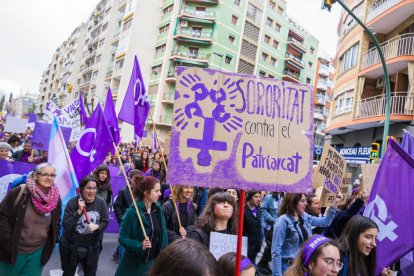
380	82
184	23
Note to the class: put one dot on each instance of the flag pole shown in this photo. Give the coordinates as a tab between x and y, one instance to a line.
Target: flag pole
240	232
130	191
165	166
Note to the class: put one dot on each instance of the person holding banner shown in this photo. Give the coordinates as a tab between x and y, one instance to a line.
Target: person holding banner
319	256
220	215
81	238
293	227
141	250
103	178
30	223
186	209
4	151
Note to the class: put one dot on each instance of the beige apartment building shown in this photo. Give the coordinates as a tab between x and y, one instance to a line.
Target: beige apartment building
358	109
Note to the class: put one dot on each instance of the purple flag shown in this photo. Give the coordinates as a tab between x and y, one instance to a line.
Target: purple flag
93	145
154	140
82	111
388	205
32	117
408	143
135	114
110	116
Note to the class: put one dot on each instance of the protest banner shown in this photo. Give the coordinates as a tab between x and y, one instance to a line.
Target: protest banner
9	171
221	244
240	131
330	170
369	171
41	135
327	197
15	125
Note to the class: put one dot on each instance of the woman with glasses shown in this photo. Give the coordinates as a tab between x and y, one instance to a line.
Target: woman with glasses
81	238
319	256
30	223
293	227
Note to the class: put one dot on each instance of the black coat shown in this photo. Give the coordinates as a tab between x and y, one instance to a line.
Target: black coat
122	203
187	220
252	229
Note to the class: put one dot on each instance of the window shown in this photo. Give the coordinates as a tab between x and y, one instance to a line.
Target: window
278	27
237	2
308	80
264	57
271	76
343	102
98	59
119	64
262	74
95	75
228	59
312	50
192	52
267	39
104	27
349	58
280	10
127	25
232	39
310	64
275	44
160	49
234	19
273	61
272	5
269	22
164	29
101	42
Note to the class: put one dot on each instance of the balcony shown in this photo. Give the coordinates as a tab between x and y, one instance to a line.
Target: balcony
322	85
299	46
165	121
295	61
196	36
171	76
385	15
168	98
393	49
375	106
291	74
318	115
320	99
198	16
190	57
323	71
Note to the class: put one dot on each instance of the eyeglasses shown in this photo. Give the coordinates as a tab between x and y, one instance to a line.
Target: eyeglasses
93	189
331	263
45	175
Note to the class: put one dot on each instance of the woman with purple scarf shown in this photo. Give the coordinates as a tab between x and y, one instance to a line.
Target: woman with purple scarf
186	210
30	223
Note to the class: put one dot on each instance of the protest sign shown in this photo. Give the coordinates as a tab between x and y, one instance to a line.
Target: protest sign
327	197
9	171
221	244
369	171
15	125
239	131
41	135
331	170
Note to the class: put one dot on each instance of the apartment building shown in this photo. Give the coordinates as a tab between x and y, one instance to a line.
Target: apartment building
358	109
250	37
324	77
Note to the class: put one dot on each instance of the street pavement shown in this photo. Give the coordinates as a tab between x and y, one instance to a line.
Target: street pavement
106	266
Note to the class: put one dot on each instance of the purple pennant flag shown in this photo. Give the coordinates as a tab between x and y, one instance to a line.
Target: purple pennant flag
110	116
93	145
408	143
388	203
135	107
82	111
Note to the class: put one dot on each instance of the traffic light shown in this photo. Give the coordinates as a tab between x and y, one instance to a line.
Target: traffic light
327	4
70	86
375	147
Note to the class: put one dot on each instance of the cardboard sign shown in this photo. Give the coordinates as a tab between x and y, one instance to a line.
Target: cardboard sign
327	197
238	131
41	135
330	170
15	125
369	171
221	244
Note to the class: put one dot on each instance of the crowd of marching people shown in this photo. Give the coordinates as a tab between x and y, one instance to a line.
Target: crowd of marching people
166	231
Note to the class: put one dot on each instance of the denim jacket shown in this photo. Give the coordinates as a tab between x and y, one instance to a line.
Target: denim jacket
286	240
269	210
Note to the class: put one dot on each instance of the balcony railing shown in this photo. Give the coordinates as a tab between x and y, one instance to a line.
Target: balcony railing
320	99
195	33
375	106
402	45
190	55
322	85
291	73
324	71
380	7
297	43
318	115
200	14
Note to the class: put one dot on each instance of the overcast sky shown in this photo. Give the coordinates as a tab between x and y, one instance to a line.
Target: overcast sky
30	32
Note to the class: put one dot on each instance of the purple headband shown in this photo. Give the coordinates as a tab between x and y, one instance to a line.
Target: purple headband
244	264
311	245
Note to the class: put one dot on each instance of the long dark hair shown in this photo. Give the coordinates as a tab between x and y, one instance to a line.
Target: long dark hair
358	264
103	185
207	220
289	203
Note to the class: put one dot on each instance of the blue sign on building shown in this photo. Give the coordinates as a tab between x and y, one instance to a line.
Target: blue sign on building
358	155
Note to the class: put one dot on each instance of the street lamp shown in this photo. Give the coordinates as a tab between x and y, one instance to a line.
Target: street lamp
328	4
